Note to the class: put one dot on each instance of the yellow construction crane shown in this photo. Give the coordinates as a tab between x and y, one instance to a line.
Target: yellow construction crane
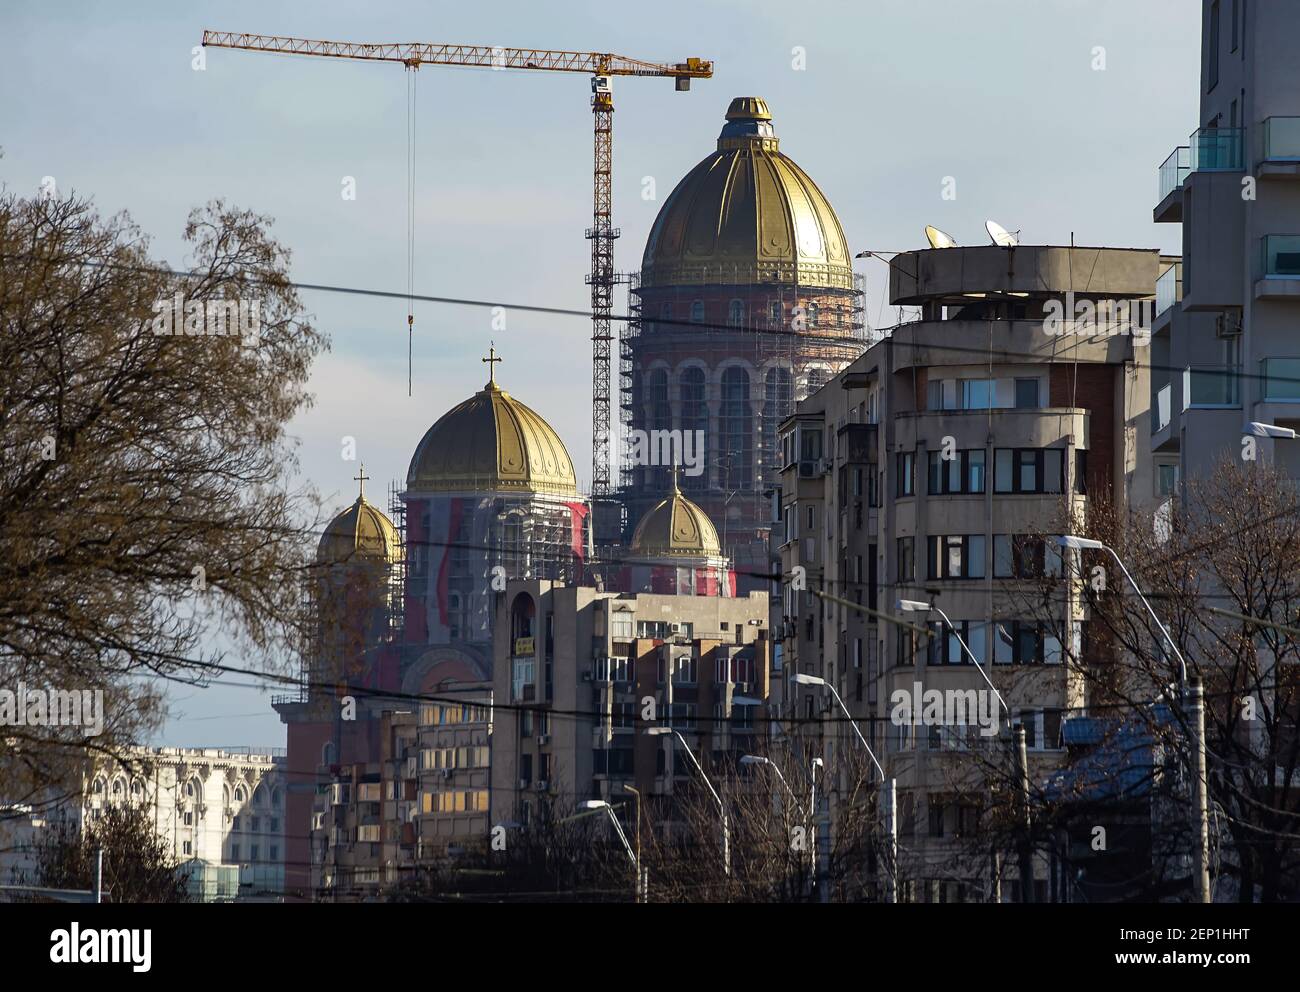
601	67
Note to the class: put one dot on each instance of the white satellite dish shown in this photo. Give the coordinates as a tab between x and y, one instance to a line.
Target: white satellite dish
1000	235
938	239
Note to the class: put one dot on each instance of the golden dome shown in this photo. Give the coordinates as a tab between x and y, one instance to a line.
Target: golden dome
747	214
675	528
492	442
360	531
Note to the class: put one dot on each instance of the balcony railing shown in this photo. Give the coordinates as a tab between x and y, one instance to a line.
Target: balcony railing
1281	377
1280	256
1163	410
1282	138
1174	170
1212	386
1169	288
1217	150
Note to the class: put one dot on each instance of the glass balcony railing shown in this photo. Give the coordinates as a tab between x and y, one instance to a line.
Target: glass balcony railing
1281	378
1162	409
1280	256
1173	171
1212	386
1169	288
1282	138
1217	150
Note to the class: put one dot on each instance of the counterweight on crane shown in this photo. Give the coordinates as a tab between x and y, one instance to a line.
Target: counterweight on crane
601	67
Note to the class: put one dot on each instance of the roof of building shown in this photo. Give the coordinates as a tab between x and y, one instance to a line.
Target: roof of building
747	214
362	531
489	443
675	527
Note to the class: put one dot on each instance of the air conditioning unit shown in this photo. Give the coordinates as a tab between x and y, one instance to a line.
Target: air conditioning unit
1227	325
543	740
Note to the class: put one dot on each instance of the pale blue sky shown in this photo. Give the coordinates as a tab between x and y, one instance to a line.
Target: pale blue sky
896	94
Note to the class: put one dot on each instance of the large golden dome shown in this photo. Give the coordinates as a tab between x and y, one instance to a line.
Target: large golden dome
360	531
747	214
492	442
674	528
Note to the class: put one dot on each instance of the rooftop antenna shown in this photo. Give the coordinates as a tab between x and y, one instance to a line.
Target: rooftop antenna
939	239
1001	236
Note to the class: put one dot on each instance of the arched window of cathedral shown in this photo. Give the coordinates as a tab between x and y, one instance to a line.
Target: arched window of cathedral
659	416
119	790
776	313
455	615
736	313
666	310
241	794
694	419
327	755
737	430
816	379
275	798
697	312
225	795
98	787
259	795
813	313
778	403
137	790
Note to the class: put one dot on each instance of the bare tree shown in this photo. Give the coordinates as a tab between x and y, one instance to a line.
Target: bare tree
145	478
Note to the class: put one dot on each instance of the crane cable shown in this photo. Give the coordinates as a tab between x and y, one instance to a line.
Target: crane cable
410	223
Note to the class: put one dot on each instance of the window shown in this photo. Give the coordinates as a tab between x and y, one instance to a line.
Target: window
1025	642
955	556
1025	557
665	311
735	424
905	472
776	313
697	312
813	314
1080	471
1166	479
187	848
234	852
736	313
1028	470
961	474
936	818
1026	394
684	670
906	559
945	647
1213	52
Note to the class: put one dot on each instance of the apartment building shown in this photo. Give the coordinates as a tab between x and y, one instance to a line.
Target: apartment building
934	469
212	807
374	824
1225	352
578	665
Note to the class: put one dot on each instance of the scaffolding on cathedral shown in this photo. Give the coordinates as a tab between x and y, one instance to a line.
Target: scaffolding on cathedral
829	333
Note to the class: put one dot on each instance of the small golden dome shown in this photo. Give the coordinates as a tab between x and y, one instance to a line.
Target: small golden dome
674	528
492	442
747	214
360	531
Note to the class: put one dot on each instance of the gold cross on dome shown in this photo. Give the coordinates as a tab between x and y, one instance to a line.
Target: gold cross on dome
491	361
362	478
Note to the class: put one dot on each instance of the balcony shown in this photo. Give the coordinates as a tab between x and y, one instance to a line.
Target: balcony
1173	171
1279	268
1169	288
1212	386
1217	150
1281	379
1281	148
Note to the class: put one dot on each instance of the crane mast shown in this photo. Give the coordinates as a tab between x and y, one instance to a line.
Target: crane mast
602	233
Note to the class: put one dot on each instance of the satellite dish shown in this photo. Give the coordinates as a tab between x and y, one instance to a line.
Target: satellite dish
1000	235
938	239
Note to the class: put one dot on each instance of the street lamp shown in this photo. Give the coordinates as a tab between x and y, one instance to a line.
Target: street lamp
1256	429
890	788
595	805
726	833
754	759
1088	544
916	606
